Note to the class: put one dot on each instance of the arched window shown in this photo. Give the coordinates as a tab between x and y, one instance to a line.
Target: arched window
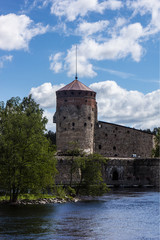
115	175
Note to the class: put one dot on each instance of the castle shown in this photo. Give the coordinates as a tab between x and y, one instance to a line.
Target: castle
76	121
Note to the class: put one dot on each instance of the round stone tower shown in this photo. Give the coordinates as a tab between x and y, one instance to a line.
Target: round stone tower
75	117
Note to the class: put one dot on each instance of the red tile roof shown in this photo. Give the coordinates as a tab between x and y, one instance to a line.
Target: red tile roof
75	85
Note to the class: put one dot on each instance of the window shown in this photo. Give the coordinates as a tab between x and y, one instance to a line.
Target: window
100	147
85	124
64	117
114	148
100	125
73	124
89	118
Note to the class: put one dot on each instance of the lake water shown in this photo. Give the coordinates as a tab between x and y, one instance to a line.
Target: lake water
119	215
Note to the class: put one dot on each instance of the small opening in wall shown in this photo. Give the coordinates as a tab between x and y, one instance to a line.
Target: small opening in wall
100	125
116	128
89	118
72	128
72	93
114	148
65	129
91	94
73	124
79	93
91	124
100	147
65	100
85	124
85	100
106	134
115	135
115	175
128	131
64	117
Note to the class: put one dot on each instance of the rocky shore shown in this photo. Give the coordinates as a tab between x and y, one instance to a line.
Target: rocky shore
41	201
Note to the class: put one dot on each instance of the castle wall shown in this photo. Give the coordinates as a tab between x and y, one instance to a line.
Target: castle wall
113	140
133	172
75	117
128	172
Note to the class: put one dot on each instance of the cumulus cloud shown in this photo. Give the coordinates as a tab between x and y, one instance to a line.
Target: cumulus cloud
45	94
71	9
56	62
115	104
129	108
87	28
118	47
17	30
50	125
147	7
5	58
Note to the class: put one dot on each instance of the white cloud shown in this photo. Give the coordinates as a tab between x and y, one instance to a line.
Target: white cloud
115	104
116	73
45	95
71	9
129	108
5	58
119	46
50	125
17	30
87	28
151	7
56	62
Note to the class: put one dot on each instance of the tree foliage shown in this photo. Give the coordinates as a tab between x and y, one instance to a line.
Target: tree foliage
156	150
26	156
91	180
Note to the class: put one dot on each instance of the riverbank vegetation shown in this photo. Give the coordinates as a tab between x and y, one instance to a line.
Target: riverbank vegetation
27	157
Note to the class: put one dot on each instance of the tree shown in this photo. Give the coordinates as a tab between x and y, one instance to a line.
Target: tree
156	150
52	136
91	174
26	156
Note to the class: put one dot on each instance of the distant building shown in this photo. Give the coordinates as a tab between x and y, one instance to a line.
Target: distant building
76	121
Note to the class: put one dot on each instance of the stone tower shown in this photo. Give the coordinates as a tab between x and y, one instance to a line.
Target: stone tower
75	117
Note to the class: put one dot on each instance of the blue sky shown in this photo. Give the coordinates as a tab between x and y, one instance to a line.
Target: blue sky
118	54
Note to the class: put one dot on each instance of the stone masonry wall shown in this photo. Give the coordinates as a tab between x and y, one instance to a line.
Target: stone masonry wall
113	140
126	172
75	120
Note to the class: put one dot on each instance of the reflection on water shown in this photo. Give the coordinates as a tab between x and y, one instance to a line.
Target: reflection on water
122	215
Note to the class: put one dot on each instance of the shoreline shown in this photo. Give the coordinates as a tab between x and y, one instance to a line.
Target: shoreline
40	201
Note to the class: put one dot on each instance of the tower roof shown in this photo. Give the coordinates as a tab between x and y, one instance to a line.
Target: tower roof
75	85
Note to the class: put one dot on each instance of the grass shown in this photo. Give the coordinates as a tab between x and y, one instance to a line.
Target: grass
58	192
